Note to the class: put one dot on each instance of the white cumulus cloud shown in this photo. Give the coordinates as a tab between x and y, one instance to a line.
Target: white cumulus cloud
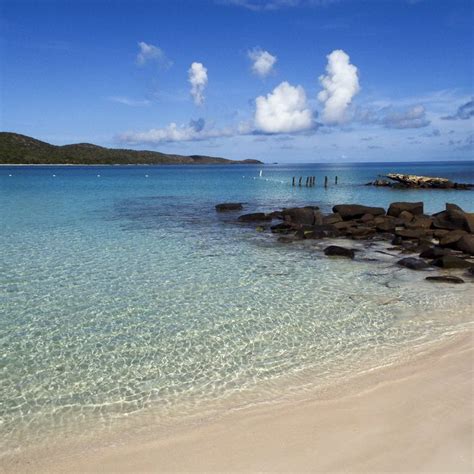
198	80
262	61
149	52
284	110
340	85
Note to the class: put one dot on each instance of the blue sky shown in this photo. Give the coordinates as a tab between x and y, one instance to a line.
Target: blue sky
278	80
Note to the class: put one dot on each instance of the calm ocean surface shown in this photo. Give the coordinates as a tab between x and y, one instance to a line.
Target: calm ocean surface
123	294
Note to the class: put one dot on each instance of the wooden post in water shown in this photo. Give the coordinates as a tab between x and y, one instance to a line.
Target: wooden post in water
299	181
314	180
293	182
325	181
335	180
307	181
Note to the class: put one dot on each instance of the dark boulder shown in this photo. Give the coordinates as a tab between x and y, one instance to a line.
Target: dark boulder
445	279
396	208
440	233
434	252
322	231
303	215
332	218
441	221
281	228
387	225
397	240
355	211
360	232
466	244
450	261
286	239
419	222
410	233
413	263
229	206
254	217
367	218
458	217
276	215
406	216
336	251
343	225
469	222
451	238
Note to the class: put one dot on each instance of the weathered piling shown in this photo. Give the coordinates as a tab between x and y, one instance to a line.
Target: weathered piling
325	181
293	182
335	180
299	181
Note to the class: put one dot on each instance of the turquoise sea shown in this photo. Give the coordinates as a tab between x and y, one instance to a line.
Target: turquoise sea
126	300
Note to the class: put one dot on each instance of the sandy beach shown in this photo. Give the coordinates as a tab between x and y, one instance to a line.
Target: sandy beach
414	417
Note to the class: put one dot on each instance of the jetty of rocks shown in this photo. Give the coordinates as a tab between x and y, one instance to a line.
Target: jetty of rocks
398	180
444	239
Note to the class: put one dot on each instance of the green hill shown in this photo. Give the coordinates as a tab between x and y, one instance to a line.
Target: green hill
24	150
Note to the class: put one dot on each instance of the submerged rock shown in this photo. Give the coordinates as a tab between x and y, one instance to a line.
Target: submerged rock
281	228
336	251
413	263
434	252
450	261
229	206
445	279
254	217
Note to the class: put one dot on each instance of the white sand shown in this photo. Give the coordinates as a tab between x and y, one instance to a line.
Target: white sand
416	417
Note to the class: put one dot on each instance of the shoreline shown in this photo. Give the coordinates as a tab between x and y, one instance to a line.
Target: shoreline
415	415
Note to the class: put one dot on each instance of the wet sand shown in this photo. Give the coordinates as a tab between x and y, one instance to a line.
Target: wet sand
414	417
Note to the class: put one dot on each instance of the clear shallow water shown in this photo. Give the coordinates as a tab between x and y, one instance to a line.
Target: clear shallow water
122	294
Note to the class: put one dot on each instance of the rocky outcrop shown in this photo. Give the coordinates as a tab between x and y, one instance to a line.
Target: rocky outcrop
399	180
414	181
443	239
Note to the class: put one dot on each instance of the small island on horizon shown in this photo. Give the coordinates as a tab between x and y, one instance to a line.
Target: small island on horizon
17	149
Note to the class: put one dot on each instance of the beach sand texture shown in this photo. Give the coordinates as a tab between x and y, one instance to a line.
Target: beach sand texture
415	417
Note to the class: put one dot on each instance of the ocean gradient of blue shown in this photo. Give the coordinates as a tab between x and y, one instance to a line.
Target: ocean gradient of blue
123	292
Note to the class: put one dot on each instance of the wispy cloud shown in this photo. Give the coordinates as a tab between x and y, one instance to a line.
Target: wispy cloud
271	5
262	62
151	53
197	74
130	102
391	117
464	112
466	143
195	130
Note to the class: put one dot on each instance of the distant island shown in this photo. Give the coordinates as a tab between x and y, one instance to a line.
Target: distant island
17	149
